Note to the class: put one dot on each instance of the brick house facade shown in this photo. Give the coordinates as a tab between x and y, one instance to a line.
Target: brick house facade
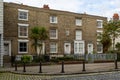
69	33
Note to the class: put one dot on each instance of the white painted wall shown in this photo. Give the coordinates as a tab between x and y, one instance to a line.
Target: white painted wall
1	33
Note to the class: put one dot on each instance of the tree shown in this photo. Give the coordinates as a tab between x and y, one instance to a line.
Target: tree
112	28
106	41
43	36
118	46
38	34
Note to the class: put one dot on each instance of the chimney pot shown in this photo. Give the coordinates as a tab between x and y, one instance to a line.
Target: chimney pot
45	6
115	17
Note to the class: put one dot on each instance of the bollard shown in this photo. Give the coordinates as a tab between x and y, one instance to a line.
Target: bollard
116	65
15	66
62	70
24	69
40	68
83	65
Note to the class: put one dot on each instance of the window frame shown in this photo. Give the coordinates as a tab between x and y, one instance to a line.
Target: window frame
22	10
78	22
56	47
53	19
22	25
23	41
98	43
76	35
55	34
99	32
77	47
101	25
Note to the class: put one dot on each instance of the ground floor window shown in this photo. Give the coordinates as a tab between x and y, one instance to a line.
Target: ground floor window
23	46
53	47
99	48
79	47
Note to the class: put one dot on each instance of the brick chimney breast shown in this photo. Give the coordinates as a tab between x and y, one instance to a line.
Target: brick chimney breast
115	16
46	6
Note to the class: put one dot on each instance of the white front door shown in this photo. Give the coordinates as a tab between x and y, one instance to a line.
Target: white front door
79	47
7	48
90	48
67	48
42	50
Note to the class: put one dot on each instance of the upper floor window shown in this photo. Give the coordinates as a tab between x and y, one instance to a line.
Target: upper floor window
78	35
22	14
99	34
78	22
67	32
53	34
23	30
99	23
53	19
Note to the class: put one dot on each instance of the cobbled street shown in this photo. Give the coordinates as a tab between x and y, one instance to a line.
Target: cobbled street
92	76
95	76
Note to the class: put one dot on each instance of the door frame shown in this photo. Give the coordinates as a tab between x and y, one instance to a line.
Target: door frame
43	49
67	43
90	51
9	45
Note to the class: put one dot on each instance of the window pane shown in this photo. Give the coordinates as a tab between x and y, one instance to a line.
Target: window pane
53	19
53	34
78	35
22	46
53	48
23	15
23	30
99	23
78	22
99	47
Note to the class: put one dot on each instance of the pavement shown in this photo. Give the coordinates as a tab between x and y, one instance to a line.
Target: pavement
68	69
93	71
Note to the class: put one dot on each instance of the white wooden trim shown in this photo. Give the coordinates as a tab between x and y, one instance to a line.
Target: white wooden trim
26	25
23	10
22	40
78	52
9	43
67	43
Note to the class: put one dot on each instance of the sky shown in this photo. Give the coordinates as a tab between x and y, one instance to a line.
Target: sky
105	8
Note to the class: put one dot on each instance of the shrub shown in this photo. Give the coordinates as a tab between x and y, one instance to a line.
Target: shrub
38	59
26	58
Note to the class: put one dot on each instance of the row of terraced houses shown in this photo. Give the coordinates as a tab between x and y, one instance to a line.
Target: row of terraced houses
69	32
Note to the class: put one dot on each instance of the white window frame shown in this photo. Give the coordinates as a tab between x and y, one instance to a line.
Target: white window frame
98	33
22	10
55	46
78	37
67	32
101	26
25	25
26	41
77	47
101	49
53	19
56	34
78	22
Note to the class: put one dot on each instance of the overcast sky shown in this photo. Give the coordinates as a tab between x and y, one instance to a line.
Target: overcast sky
104	8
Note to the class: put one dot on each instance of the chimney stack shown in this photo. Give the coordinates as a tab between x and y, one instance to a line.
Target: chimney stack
46	6
115	17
